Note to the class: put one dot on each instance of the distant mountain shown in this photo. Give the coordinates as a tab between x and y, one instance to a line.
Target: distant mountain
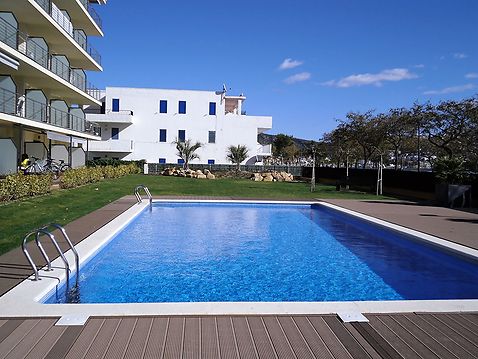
266	139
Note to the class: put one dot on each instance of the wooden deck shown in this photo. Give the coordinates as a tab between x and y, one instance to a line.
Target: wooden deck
326	337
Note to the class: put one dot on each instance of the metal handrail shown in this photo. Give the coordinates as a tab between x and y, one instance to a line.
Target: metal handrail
38	233
67	239
21	106
146	190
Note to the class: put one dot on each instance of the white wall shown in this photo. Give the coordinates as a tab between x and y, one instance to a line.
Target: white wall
8	159
231	129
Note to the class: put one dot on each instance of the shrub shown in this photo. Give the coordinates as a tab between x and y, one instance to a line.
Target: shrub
81	176
18	185
102	162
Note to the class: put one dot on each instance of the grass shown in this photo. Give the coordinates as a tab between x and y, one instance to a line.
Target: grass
64	206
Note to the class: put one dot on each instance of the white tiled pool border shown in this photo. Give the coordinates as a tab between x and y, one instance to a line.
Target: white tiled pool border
23	300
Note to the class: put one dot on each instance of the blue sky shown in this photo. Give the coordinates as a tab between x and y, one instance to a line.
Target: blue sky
336	56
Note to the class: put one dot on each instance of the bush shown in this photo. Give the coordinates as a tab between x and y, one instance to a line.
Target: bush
19	186
81	176
103	162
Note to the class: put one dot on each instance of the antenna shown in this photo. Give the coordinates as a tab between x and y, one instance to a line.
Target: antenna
223	93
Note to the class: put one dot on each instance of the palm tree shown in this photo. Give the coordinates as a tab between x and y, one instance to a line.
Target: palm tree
186	151
237	154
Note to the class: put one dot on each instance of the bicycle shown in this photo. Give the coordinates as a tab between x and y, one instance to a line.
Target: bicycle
47	166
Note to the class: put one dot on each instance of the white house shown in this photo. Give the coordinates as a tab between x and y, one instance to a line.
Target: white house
137	123
44	53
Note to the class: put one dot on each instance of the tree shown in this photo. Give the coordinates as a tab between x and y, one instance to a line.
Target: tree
280	146
237	154
400	127
187	151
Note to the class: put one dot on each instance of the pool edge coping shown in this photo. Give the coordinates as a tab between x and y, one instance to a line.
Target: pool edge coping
15	304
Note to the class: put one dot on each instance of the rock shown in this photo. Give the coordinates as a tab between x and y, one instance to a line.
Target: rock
210	176
201	176
206	171
257	177
268	178
199	172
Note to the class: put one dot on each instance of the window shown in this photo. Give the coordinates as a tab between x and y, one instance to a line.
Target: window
182	107
114	133
212	108
115	105
163	106
211	162
180	161
212	137
162	161
162	135
182	135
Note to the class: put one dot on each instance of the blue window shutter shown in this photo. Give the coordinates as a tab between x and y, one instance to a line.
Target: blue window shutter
211	162
182	107
162	161
114	133
163	106
115	105
180	161
212	108
182	135
162	135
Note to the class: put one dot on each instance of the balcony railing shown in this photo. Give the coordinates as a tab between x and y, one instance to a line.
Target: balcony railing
27	46
55	13
111	146
19	105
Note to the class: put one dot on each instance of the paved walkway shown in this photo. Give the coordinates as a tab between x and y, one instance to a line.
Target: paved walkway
454	225
410	335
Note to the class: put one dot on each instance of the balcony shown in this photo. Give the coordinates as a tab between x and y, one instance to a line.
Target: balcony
21	42
120	146
81	11
57	30
19	106
124	117
264	150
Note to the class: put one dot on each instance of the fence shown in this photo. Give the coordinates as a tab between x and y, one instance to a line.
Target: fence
156	168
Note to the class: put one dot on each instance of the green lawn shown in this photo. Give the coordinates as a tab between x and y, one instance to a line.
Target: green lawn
63	206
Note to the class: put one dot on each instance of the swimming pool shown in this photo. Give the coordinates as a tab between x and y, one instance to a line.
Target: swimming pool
204	252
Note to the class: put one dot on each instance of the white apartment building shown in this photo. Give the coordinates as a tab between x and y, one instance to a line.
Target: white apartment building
44	52
137	123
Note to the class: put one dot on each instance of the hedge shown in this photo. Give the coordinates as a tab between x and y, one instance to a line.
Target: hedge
18	185
81	176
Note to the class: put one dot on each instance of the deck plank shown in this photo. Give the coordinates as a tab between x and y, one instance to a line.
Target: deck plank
450	332
407	321
103	338
279	340
7	328
460	329
333	344
157	337
440	337
16	336
346	338
370	349
192	339
227	341
85	340
245	343
421	349
261	338
464	323
313	340
121	338
46	344
174	340
209	338
65	342
32	339
296	340
138	340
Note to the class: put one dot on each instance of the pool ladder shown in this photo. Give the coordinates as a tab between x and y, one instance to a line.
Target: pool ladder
45	231
146	190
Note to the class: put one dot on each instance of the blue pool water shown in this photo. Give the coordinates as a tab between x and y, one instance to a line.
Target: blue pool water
192	252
